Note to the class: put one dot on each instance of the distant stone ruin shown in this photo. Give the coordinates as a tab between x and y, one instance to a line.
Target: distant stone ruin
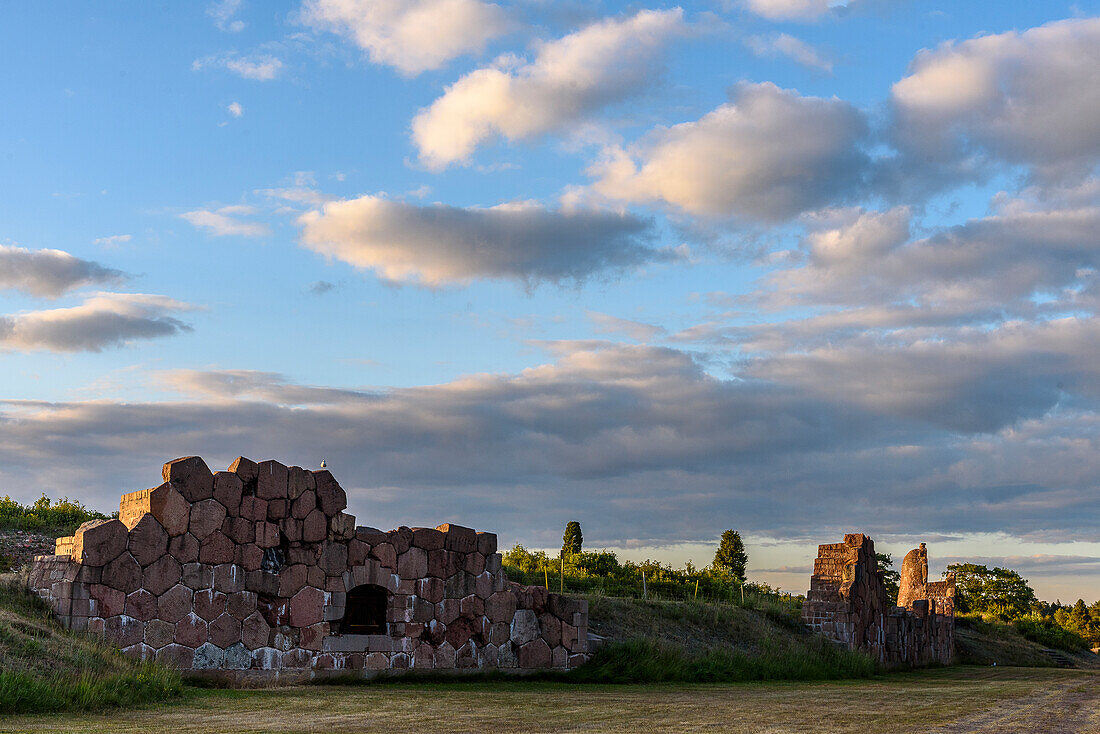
847	603
259	572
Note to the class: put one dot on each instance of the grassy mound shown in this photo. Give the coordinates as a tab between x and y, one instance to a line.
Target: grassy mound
984	642
46	668
654	641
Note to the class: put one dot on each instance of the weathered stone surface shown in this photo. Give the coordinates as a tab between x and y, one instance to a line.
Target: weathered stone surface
412	564
277	510
472	607
184	548
191	631
249	557
272	480
239	529
427	538
305	503
175	656
506	656
224	630
246	469
228	577
330	495
550	629
141	605
474	564
209	604
430	589
191	477
238	657
206	517
299	482
148	540
229	490
174	604
385	554
159	633
460	585
216	548
500	607
254	509
208	657
255	631
291	580
334	558
314	527
458	539
98	542
165	504
241	604
486	543
444	656
162	575
108	601
534	655
197	575
123	573
307	607
342	526
525	626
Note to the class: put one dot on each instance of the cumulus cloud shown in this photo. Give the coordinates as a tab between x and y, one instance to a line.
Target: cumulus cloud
793	48
412	36
438	244
640	331
101	321
259	66
235	109
51	273
767	155
225	222
1027	98
570	79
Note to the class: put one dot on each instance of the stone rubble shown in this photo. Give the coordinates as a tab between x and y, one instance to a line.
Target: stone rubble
248	571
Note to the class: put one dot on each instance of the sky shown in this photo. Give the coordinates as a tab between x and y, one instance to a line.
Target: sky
793	267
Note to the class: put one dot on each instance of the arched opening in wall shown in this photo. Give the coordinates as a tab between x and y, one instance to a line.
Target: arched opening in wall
365	611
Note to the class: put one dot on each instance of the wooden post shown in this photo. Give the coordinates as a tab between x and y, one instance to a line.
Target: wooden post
696	597
545	577
561	581
742	593
645	593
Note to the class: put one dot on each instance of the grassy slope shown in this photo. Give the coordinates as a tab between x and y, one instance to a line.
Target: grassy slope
46	668
988	643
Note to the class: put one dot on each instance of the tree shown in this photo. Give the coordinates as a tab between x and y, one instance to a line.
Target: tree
731	557
571	541
890	578
999	591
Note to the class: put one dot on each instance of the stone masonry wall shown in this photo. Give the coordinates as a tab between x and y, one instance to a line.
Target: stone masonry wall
248	570
847	602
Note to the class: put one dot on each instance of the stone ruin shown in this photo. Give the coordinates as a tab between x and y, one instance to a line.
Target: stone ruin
847	603
258	572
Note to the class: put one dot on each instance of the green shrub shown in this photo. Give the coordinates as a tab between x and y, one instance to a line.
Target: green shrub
1050	634
45	514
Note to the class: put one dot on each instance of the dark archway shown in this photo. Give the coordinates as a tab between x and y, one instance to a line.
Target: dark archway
365	611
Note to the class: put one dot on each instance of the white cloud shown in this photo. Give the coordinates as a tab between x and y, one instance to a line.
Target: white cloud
261	67
793	48
638	330
222	222
413	36
1027	98
437	244
235	109
101	321
570	79
113	240
50	273
222	11
768	155
789	9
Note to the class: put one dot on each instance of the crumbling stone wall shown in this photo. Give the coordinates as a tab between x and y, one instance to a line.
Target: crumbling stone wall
249	570
847	602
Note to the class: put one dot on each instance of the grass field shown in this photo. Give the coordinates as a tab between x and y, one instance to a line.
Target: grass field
962	699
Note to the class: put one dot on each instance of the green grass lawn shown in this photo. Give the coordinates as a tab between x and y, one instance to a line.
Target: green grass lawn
985	699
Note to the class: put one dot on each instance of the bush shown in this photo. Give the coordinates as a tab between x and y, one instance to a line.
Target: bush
64	515
1050	634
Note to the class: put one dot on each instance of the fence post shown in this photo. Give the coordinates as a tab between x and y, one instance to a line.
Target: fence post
561	580
645	593
696	597
546	578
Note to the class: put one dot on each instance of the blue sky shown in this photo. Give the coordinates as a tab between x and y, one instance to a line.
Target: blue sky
788	266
